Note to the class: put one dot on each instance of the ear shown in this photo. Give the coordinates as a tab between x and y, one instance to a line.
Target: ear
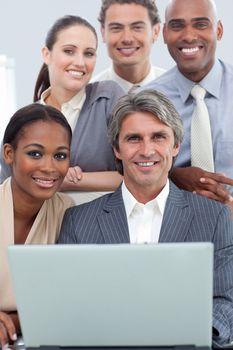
219	30
176	149
156	31
164	33
46	55
117	153
8	153
103	34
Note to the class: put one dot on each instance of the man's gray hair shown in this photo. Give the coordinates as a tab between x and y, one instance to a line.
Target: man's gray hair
150	101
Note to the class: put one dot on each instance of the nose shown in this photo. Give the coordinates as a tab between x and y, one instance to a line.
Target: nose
79	60
47	165
147	149
127	36
189	34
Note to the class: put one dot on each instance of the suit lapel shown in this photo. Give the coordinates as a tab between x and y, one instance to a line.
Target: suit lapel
113	221
177	217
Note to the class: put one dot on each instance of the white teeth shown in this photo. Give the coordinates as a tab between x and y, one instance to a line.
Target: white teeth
44	181
146	163
76	73
128	50
190	50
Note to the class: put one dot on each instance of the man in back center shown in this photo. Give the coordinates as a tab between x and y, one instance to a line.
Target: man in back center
129	28
145	132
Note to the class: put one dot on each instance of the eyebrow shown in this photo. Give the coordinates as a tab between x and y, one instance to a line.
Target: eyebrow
121	24
195	19
75	47
37	145
133	134
34	145
137	22
153	134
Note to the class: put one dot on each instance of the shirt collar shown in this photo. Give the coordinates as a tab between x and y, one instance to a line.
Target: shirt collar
150	76
75	103
130	201
126	85
211	82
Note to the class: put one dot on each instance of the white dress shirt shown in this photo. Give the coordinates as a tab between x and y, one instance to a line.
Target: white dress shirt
110	74
144	220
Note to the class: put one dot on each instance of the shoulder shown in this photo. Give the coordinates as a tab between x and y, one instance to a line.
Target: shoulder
205	207
202	207
92	208
206	219
59	202
164	81
87	213
6	183
103	89
5	189
227	71
226	66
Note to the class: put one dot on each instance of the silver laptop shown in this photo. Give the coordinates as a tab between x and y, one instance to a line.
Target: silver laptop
114	295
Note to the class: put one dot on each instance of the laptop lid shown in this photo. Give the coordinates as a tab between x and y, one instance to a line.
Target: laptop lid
114	295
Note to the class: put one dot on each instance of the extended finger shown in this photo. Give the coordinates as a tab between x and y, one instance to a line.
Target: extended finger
71	175
209	195
217	189
213	195
220	178
78	172
3	336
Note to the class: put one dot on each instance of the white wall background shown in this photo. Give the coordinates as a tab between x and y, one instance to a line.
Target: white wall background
24	24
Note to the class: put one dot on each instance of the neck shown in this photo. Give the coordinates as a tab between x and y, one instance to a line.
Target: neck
53	101
144	194
25	207
24	217
135	73
197	76
57	98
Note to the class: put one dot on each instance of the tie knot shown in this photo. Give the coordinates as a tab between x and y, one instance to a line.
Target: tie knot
198	92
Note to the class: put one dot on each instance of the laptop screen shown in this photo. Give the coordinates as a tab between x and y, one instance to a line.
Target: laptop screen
114	295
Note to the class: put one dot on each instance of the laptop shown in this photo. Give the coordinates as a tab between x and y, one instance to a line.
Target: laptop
114	295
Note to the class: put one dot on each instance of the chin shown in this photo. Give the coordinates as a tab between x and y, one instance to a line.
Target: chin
47	194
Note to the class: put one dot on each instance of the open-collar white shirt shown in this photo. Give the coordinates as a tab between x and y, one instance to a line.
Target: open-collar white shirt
145	220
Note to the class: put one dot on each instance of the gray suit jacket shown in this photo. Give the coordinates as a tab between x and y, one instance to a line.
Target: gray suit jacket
187	218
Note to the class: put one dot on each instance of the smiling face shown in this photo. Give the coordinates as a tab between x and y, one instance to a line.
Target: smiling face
146	149
129	34
191	32
40	161
72	60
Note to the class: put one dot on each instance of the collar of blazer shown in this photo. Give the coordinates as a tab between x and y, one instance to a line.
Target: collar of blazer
176	221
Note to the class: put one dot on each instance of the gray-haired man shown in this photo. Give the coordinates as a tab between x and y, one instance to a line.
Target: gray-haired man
145	132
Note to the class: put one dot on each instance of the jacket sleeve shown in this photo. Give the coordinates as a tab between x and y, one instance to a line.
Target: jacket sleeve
117	92
223	279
